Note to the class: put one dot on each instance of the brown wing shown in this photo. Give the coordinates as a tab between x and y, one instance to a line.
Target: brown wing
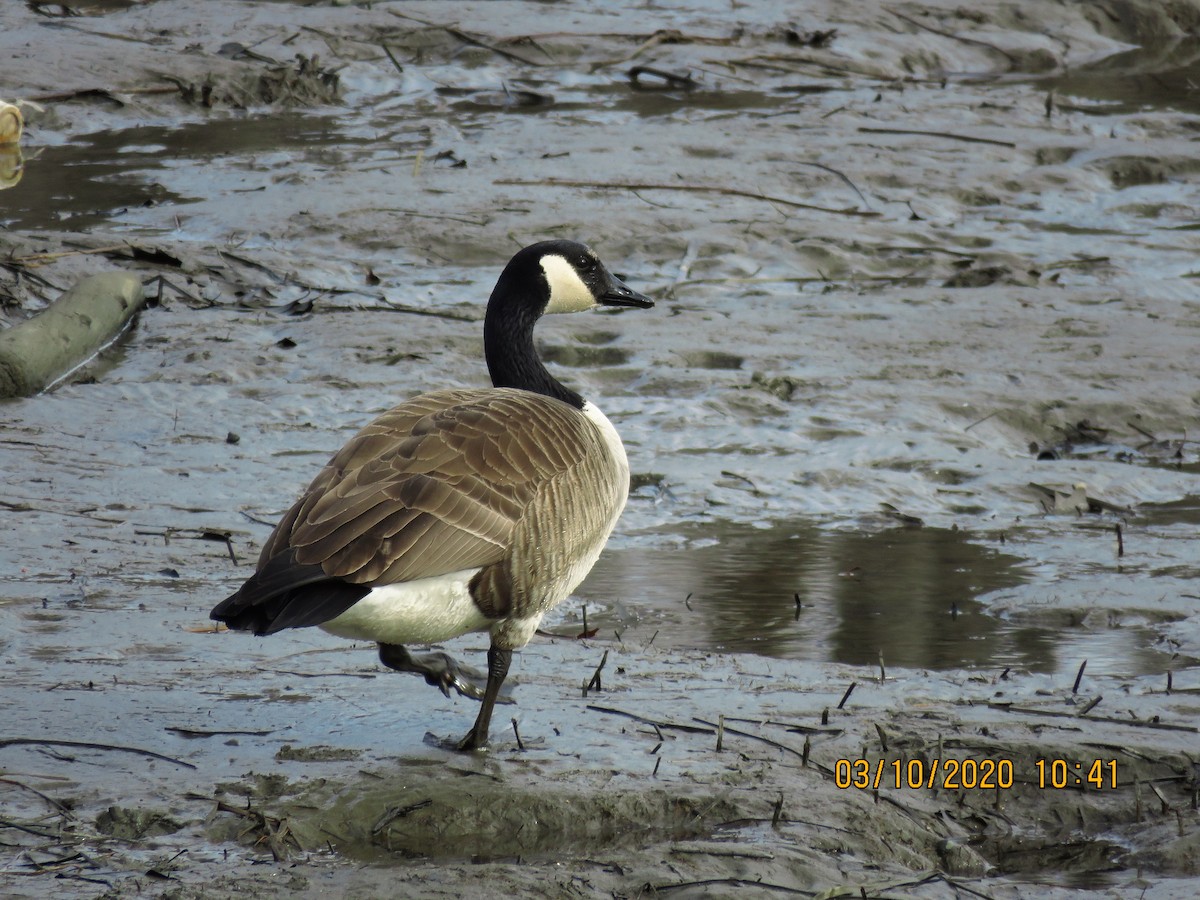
435	485
445	482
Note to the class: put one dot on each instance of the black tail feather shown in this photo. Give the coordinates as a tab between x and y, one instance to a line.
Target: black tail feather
285	594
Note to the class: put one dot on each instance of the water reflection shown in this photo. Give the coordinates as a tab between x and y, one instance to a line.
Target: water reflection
1161	75
909	593
97	178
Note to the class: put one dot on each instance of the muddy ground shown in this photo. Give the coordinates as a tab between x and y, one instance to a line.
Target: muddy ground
909	260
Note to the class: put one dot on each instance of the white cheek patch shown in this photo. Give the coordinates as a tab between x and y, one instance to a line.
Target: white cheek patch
568	293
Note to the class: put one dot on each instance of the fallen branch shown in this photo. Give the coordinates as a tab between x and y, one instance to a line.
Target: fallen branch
693	188
89	745
1112	720
942	134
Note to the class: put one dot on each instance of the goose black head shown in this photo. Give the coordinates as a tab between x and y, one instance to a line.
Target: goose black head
572	278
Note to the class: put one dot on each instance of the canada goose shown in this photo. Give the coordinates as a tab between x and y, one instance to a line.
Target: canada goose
458	510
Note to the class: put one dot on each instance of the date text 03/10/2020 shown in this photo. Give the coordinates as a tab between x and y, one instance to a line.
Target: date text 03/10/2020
973	774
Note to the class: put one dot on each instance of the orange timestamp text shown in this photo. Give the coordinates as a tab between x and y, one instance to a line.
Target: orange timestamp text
973	774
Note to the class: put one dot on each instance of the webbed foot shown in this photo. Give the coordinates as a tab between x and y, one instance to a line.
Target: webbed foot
442	671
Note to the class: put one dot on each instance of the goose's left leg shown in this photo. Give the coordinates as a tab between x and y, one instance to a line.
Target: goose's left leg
498	663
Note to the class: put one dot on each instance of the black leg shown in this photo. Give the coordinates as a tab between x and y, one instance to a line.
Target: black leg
498	662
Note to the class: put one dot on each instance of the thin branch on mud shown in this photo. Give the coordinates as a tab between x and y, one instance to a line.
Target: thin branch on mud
33	260
468	39
1112	720
692	188
89	745
757	737
841	175
197	732
995	412
1012	60
366	675
653	723
654	889
942	134
772	61
49	800
392	57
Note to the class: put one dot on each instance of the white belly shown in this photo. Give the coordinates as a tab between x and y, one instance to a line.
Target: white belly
424	611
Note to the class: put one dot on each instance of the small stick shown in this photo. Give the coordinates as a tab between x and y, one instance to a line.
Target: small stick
657	763
687	601
651	641
392	57
1170	679
1087	709
807	750
981	421
88	745
1079	677
517	733
720	731
695	188
825	715
882	670
1120	541
883	743
778	811
845	697
595	682
942	134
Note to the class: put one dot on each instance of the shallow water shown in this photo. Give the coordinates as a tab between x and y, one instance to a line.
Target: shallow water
911	597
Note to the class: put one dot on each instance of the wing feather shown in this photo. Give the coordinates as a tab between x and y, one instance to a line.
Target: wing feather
439	484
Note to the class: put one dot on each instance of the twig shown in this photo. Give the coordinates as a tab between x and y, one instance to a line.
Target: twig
942	134
1078	677
594	684
50	800
751	735
694	188
467	39
841	175
981	421
673	726
954	37
846	696
656	889
1112	720
89	745
392	57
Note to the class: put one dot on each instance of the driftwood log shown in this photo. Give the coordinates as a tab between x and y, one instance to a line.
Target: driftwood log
40	351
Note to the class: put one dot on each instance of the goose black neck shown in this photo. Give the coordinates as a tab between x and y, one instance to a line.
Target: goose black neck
508	346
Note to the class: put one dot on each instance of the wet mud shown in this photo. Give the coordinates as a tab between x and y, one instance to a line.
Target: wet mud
915	496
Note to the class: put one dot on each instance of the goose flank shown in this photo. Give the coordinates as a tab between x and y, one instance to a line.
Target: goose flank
458	510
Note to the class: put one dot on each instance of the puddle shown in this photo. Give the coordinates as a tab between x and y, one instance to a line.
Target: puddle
918	596
1161	75
101	177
